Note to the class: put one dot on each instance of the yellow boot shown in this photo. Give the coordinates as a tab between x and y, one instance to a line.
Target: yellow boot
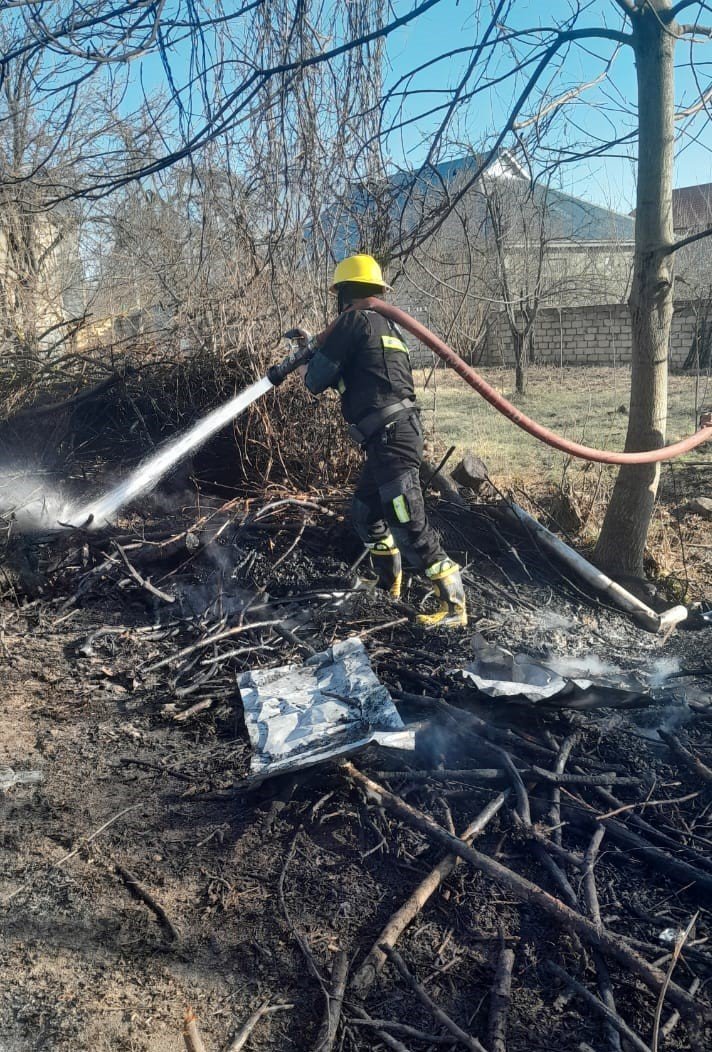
452	612
386	561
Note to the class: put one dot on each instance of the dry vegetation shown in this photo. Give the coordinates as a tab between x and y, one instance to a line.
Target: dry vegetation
586	405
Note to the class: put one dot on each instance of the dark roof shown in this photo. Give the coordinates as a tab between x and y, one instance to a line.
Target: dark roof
574	219
568	218
692	206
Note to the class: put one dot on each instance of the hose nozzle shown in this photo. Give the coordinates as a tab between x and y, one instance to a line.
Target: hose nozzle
277	374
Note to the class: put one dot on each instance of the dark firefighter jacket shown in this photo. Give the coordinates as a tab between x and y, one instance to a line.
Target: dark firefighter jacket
366	359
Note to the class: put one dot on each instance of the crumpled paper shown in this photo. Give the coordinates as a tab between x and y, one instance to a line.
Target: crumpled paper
333	704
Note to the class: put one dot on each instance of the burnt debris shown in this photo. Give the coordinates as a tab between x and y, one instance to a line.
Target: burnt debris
532	876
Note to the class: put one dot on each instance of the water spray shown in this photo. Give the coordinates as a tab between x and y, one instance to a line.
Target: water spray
102	510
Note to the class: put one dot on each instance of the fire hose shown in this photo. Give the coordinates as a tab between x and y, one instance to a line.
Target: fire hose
278	373
499	402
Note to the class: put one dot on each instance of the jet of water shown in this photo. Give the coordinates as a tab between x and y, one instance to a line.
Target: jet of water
99	512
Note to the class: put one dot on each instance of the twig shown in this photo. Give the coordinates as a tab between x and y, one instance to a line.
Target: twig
376	958
559	778
240	1039
590	897
142	581
140	893
285	555
267	509
523	808
436	471
557	874
208	641
469	1042
200	706
561	761
589	880
642	804
383	1035
385	625
543	847
679	943
674	1019
302	942
334	1003
401	1028
648	830
525	890
701	769
291	637
531	774
676	868
613	1018
82	844
191	1034
96	833
499	1001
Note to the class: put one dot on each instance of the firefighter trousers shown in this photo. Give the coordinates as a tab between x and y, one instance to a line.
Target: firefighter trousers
388	497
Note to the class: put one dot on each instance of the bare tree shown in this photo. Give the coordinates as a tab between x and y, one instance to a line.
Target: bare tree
299	85
651	30
517	222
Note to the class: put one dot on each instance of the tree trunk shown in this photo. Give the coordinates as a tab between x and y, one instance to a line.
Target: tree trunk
621	545
520	360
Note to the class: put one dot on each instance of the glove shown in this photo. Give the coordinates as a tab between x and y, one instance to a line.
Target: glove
299	335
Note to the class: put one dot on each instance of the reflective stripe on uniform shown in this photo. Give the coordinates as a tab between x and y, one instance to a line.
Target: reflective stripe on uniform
400	507
384	546
441	569
393	343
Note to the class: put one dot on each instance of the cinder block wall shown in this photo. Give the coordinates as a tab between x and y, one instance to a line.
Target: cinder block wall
598	335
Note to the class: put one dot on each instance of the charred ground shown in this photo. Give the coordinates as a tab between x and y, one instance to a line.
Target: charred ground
249	880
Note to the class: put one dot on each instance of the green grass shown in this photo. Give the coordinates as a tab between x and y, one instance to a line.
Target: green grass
580	403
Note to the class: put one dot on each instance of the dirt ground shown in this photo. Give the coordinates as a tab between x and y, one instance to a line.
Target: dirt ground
136	786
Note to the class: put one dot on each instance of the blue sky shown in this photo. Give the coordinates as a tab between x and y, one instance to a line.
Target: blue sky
603	111
607	181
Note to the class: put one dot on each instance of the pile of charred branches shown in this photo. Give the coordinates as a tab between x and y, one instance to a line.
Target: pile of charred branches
81	421
565	861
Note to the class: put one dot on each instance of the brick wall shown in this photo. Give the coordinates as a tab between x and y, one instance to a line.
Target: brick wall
598	335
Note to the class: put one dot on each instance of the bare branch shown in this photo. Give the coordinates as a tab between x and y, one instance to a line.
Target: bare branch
688	241
568	96
543	63
695	29
677	8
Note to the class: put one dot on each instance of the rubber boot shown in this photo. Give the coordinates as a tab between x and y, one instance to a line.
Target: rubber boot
386	562
447	582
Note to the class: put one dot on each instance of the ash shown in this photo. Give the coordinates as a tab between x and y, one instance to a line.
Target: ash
122	648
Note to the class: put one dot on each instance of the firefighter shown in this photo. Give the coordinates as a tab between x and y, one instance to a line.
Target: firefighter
366	359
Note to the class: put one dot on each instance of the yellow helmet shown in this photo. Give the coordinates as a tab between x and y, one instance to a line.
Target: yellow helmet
361	268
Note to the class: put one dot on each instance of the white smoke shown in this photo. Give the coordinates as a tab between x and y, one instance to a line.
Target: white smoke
30	501
661	670
588	666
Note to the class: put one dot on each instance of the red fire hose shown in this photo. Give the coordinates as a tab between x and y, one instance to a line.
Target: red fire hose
515	415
